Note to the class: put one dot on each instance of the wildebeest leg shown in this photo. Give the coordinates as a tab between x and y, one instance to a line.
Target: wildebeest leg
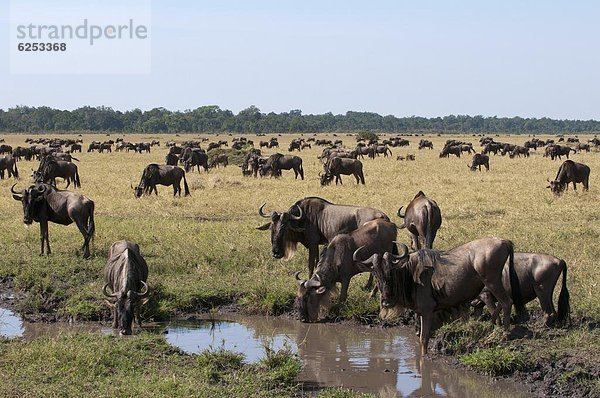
115	323
414	241
426	320
585	184
86	238
155	190
344	290
312	259
574	186
545	298
175	190
504	300
357	178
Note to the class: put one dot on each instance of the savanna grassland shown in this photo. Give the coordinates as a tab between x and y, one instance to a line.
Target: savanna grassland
204	251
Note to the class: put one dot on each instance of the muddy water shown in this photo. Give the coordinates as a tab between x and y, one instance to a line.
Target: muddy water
380	361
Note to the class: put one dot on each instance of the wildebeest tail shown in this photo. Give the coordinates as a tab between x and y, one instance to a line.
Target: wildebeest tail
428	234
185	186
77	181
74	158
92	225
517	297
564	309
16	172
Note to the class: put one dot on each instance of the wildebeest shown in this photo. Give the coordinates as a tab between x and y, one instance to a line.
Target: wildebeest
450	150
51	168
20	152
537	274
142	146
479	160
491	147
434	284
67	157
556	151
278	162
218	159
582	147
5	149
518	151
425	144
338	166
9	164
155	174
43	203
337	265
313	221
171	159
382	149
422	219
125	275
197	159
570	171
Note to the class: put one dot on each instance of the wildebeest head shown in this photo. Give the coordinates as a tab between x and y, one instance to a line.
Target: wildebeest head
310	298
138	191
556	187
326	177
31	198
125	304
280	225
382	267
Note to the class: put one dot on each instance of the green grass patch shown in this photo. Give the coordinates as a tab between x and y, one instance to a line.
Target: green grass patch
495	361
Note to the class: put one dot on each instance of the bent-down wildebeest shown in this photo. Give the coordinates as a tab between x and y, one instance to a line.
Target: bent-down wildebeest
218	159
450	150
422	219
518	151
196	158
338	166
479	160
570	171
50	169
312	222
155	174
278	162
537	274
337	265
9	164
125	274
43	203
435	284
556	151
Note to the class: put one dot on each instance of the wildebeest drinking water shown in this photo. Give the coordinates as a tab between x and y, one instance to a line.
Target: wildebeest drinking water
125	274
155	174
336	264
43	203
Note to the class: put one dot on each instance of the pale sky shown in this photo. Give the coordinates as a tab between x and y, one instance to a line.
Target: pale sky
425	58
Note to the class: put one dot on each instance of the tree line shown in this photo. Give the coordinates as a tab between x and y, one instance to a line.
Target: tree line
212	118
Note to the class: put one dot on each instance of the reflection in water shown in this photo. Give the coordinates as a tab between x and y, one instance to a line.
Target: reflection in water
375	360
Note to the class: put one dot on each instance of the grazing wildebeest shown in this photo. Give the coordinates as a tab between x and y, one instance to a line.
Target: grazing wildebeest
518	151
491	147
467	148
50	169
125	275
294	145
262	144
422	219
425	144
43	203
531	144
537	274
197	159
338	166
155	174
213	145
171	159
337	265
5	149
155	142
479	160
312	222
20	152
582	147
570	171
218	159
278	162
143	146
557	151
362	150
448	150
94	145
9	164
434	284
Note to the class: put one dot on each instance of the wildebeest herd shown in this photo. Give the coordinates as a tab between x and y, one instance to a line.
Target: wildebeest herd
437	285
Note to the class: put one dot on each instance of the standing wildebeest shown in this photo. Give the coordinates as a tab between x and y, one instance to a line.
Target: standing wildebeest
337	166
491	147
537	274
448	150
570	171
155	174
5	149
197	159
313	221
171	159
518	151
422	219
435	284
125	274
382	149
76	148
278	162
425	144
582	147
556	151
50	169
218	159
9	164
479	160
43	203
337	265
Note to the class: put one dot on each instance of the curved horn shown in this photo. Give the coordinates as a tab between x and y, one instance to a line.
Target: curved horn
43	188
106	292
260	211
298	280
297	218
144	293
400	215
402	253
12	190
316	282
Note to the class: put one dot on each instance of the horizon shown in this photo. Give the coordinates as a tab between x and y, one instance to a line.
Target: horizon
529	60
